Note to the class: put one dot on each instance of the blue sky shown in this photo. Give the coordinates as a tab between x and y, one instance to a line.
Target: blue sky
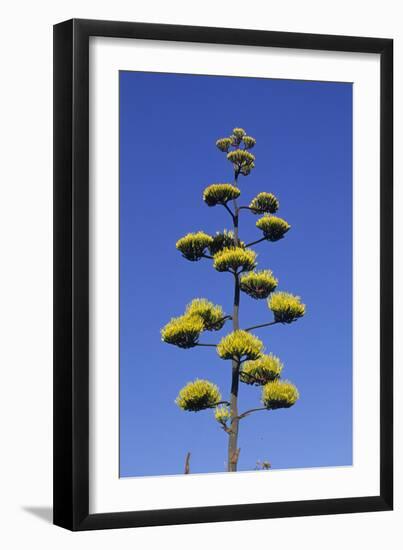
168	127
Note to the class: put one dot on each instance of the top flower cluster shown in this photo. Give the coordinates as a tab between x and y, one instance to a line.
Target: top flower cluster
242	160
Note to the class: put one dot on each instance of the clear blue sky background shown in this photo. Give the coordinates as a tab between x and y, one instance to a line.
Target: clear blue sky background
168	127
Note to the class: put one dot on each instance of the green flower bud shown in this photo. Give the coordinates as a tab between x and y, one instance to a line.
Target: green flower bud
286	307
279	394
193	245
258	284
235	260
265	369
220	193
264	202
198	395
240	345
273	228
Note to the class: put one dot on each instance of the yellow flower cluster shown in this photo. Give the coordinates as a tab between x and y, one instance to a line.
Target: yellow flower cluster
235	259
249	142
238	133
183	331
193	245
220	193
258	284
273	228
200	315
222	414
264	202
226	239
240	345
279	394
286	307
242	160
224	144
211	315
237	136
240	156
265	369
198	395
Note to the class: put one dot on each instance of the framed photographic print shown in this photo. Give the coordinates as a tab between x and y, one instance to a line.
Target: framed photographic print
222	274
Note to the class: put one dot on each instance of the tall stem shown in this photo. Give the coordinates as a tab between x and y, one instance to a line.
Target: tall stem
233	451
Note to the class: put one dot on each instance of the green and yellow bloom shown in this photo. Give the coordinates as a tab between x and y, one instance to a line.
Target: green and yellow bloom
242	160
273	228
258	284
237	135
286	307
220	193
183	331
212	315
224	144
235	259
261	371
226	239
240	345
222	414
279	394
198	395
263	203
193	245
249	142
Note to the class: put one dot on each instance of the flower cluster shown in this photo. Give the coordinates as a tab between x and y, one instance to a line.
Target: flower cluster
200	315
242	160
249	142
286	307
237	135
193	245
235	259
222	414
198	395
273	228
264	202
220	193
226	239
212	316
183	331
265	369
279	394
224	144
258	284
240	345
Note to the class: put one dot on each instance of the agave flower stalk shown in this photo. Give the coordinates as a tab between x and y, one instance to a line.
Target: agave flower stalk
233	453
242	349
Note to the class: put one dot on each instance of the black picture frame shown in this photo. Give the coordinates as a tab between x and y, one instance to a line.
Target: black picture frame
71	274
